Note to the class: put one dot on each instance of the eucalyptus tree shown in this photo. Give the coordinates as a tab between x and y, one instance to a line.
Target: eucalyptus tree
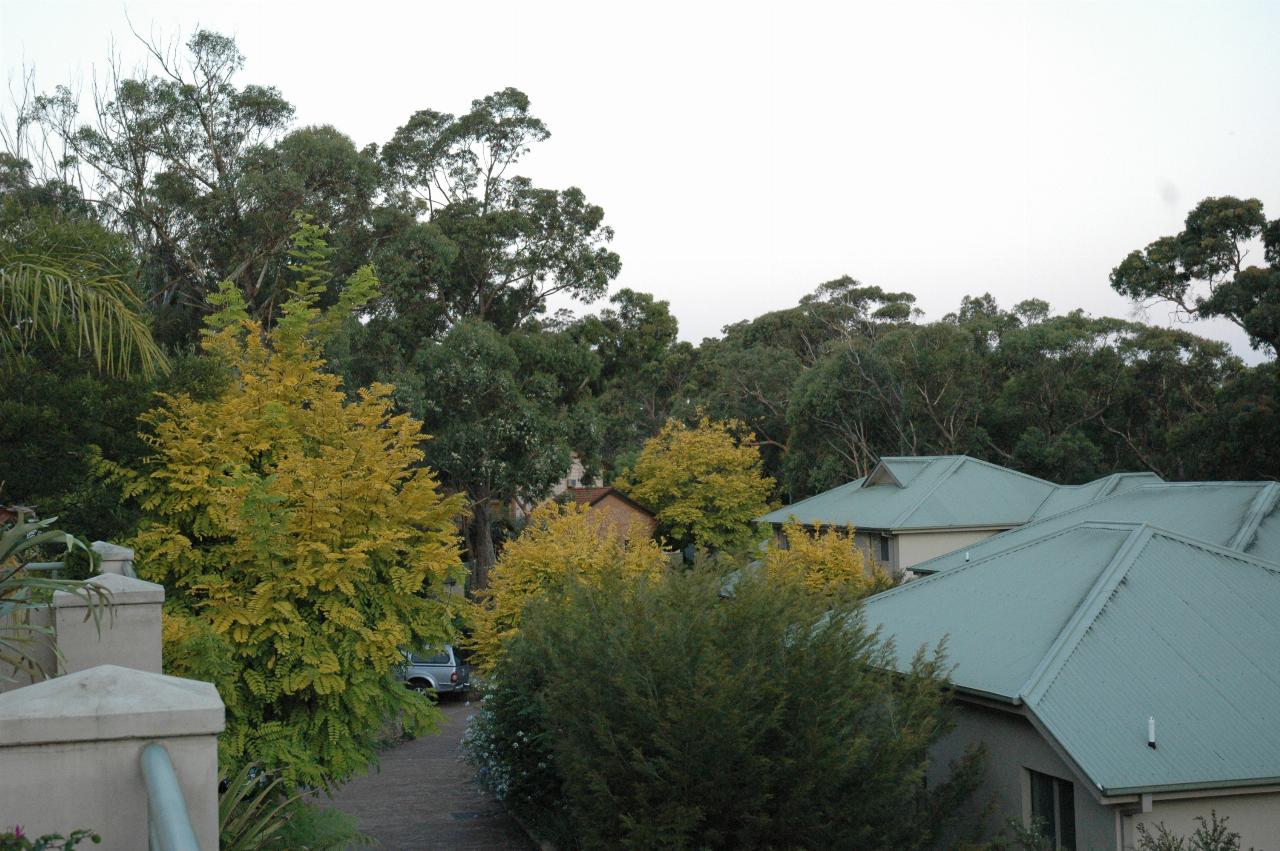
470	252
202	174
500	409
1204	271
514	244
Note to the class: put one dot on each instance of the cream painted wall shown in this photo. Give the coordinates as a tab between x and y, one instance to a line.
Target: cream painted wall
1255	817
58	788
915	547
1013	746
70	753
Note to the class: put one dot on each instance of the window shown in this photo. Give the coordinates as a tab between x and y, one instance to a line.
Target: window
431	657
1053	809
884	548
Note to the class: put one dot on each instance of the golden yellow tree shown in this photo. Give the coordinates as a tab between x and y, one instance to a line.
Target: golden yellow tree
559	542
826	561
704	483
300	540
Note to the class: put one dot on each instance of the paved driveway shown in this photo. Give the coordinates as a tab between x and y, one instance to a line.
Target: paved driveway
423	796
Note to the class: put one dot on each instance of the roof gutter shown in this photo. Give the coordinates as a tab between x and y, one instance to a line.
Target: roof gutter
1201	786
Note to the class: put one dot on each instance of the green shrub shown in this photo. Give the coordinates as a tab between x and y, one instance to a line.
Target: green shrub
667	717
316	827
1211	834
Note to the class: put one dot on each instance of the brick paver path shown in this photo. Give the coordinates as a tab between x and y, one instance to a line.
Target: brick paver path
423	796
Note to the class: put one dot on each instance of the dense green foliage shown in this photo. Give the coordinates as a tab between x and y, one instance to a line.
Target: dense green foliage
704	725
1202	269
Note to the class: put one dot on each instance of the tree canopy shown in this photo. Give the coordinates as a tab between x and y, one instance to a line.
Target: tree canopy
1202	269
174	178
559	547
703	482
300	540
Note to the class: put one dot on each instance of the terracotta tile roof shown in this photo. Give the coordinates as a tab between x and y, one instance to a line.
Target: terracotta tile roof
588	496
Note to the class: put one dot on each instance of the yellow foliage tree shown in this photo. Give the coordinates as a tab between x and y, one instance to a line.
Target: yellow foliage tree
704	483
300	540
559	542
826	562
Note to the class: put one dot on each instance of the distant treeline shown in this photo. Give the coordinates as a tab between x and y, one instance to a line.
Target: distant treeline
183	178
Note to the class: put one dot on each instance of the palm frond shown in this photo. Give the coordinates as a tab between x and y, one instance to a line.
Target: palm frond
80	305
22	592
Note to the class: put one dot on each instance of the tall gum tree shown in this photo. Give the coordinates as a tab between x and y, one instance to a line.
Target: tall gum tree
475	251
1205	271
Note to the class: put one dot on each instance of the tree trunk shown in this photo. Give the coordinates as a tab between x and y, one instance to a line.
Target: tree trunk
480	544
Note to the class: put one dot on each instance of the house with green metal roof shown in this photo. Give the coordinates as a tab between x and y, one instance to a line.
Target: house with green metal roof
911	509
1242	516
1118	674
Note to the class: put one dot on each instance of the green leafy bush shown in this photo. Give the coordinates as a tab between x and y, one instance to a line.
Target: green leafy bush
1211	834
316	827
667	717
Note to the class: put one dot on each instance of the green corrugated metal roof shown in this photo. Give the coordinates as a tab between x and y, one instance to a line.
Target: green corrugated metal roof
1098	626
1067	497
1235	515
925	492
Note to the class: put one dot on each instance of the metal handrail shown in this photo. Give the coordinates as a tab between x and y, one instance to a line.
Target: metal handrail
168	820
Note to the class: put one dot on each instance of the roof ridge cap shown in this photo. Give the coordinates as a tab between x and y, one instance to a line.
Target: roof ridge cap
1005	469
1216	549
1087	611
956	461
856	481
1262	505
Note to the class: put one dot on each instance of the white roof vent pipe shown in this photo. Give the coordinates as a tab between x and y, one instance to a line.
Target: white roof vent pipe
1151	732
966	556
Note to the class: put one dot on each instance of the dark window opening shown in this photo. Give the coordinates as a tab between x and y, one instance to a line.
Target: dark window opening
1053	810
884	548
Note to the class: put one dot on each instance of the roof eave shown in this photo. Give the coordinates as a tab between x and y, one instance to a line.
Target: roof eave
1200	786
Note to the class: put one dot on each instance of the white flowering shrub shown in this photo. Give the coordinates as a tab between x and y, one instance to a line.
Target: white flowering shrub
507	744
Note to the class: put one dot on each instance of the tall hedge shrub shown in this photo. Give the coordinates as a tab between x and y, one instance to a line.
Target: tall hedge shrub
654	713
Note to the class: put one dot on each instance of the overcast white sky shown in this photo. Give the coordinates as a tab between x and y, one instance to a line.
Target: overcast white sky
745	152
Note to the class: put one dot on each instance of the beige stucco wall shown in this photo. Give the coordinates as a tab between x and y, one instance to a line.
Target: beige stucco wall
125	632
915	547
869	543
70	753
1013	746
1255	817
99	786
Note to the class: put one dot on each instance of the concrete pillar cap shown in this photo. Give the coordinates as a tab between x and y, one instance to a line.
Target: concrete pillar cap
109	702
111	552
123	590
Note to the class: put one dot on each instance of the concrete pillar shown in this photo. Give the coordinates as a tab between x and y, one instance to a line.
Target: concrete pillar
126	631
113	558
71	747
